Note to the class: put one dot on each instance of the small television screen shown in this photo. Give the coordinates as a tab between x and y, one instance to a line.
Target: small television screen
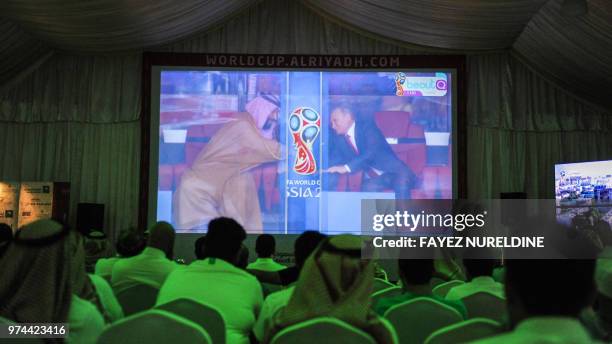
583	192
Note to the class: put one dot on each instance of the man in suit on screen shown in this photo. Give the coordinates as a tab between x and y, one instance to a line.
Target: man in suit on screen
361	146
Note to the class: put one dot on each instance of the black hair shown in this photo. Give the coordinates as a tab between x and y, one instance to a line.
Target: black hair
305	244
224	239
131	242
265	245
415	271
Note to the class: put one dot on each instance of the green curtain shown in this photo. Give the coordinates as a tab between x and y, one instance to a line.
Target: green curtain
76	118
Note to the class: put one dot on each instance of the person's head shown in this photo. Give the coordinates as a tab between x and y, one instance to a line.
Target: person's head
476	265
161	237
342	119
131	242
265	246
224	239
36	274
548	287
264	110
305	244
6	233
199	247
415	272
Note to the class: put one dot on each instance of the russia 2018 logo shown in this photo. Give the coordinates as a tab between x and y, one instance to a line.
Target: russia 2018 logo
305	125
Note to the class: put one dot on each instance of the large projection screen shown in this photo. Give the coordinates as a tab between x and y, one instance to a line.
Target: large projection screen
284	150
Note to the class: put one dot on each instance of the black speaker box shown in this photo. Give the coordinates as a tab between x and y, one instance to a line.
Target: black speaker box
90	217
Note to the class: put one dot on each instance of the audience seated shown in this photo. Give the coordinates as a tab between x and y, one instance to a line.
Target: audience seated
150	267
416	275
265	247
544	300
304	245
108	300
217	282
480	274
131	242
44	281
334	282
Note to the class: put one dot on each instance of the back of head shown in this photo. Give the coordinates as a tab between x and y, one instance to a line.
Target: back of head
543	287
478	262
36	274
6	233
479	267
224	239
416	271
199	250
131	242
265	245
161	236
305	244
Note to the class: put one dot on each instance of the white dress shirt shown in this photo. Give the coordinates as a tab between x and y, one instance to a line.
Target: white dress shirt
235	293
266	264
544	330
107	297
85	322
271	305
150	267
104	267
476	285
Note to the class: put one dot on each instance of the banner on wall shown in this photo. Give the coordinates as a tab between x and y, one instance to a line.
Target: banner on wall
9	196
35	202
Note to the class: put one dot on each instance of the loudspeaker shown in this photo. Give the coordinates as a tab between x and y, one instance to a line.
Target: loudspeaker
90	217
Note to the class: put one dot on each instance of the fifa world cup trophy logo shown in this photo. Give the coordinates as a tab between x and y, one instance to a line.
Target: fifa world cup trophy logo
305	125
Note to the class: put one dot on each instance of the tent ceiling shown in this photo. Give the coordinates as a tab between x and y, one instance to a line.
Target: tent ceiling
576	52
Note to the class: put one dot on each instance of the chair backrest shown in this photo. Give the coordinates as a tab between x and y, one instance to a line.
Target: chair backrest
442	289
137	298
486	305
154	326
324	330
205	316
389	292
416	319
380	284
465	331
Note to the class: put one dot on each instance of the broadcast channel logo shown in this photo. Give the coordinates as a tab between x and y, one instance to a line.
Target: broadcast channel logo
415	86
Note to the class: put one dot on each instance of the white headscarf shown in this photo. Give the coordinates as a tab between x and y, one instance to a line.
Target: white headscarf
260	108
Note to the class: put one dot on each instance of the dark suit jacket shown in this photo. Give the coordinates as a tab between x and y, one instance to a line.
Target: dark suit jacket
374	151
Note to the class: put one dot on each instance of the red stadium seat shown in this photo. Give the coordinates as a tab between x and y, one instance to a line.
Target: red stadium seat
396	125
266	176
168	117
165	177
